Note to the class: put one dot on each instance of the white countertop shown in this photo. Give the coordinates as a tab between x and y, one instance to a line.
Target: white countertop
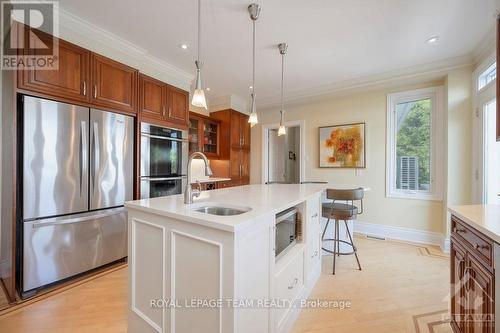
262	199
484	218
210	180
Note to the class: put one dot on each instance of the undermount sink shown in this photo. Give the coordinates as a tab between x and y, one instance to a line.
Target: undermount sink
221	210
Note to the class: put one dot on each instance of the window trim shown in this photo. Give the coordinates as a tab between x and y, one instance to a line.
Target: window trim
437	142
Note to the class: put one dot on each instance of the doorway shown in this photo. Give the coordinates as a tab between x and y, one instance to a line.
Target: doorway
283	161
486	150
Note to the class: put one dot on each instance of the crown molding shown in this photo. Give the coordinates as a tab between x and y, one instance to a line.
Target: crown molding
485	47
415	74
81	32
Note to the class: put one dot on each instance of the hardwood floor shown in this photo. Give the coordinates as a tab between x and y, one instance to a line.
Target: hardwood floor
402	288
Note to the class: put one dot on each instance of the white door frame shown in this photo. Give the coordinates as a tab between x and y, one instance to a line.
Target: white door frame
479	100
265	147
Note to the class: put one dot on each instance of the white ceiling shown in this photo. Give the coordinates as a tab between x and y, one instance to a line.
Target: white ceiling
330	41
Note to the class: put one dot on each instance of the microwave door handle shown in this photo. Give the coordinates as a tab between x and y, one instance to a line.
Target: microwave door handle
163	137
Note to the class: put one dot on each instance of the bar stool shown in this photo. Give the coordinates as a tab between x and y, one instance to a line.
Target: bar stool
341	212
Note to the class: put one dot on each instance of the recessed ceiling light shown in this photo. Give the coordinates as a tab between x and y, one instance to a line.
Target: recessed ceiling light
183	46
250	87
432	39
207	89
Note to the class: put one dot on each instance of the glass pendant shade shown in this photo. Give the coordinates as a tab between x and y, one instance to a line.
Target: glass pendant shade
253	119
199	99
281	130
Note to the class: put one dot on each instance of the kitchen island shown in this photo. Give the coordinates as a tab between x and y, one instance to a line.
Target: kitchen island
192	271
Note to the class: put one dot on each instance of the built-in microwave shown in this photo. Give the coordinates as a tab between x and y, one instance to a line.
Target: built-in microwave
164	155
286	230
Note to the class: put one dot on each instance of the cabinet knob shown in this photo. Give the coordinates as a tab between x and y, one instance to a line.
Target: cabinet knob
294	283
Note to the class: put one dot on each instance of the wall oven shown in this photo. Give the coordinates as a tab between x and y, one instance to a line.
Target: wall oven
286	230
164	155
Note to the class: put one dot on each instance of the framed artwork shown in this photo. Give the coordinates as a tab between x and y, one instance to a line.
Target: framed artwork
342	146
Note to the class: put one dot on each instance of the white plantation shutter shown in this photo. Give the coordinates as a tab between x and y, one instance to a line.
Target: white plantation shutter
408	172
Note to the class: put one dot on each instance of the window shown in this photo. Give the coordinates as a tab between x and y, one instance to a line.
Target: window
414	144
487	76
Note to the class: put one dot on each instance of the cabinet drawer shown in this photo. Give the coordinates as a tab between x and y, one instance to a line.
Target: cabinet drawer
480	245
289	281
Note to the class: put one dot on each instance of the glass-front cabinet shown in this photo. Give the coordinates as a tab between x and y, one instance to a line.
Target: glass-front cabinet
204	135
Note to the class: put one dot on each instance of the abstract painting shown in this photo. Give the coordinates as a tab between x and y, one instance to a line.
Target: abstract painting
342	146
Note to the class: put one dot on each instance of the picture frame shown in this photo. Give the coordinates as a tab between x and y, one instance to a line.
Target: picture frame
342	146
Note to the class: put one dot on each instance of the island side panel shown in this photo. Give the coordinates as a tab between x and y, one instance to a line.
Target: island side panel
254	256
172	259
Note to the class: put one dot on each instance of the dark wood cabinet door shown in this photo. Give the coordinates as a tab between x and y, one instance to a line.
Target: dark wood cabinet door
458	284
234	164
178	106
71	79
245	131
480	298
114	85
152	97
235	126
245	164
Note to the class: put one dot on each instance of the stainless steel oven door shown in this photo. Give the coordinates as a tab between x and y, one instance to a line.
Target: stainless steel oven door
61	247
152	187
163	156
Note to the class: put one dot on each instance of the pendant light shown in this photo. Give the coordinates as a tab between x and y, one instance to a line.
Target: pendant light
254	11
199	94
283	48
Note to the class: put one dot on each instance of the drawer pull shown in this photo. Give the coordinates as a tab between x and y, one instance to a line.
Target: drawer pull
294	283
477	246
315	215
457	230
315	254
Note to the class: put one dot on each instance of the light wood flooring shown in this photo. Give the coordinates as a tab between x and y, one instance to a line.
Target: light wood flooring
402	288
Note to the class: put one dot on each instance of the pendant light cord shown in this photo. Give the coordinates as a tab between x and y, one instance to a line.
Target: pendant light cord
253	70
282	84
199	28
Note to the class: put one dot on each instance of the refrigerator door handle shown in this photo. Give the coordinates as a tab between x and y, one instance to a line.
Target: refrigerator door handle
63	220
96	153
83	152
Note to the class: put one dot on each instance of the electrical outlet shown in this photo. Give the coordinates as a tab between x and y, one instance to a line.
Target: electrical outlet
359	172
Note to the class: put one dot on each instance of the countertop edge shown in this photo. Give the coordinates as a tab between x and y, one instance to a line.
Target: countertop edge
473	224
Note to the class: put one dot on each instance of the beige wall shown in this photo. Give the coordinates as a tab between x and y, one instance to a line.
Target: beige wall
370	107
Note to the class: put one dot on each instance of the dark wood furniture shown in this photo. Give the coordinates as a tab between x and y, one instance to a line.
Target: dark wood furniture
472	279
234	147
162	104
204	135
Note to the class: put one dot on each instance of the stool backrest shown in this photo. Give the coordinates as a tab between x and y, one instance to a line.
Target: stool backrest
350	194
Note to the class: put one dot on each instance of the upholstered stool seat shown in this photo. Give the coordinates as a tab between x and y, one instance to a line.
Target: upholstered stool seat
341	212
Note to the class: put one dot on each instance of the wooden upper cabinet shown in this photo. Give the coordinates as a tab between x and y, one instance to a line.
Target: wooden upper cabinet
152	97
245	131
71	78
235	136
114	85
177	105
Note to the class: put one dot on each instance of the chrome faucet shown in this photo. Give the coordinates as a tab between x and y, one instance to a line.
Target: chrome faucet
189	193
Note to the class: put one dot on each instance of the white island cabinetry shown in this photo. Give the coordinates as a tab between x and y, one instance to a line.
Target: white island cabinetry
197	272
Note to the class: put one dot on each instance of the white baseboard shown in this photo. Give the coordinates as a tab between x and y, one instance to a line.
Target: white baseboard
403	234
445	245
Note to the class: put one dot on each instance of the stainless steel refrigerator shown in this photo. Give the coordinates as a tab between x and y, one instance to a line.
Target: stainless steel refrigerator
77	174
